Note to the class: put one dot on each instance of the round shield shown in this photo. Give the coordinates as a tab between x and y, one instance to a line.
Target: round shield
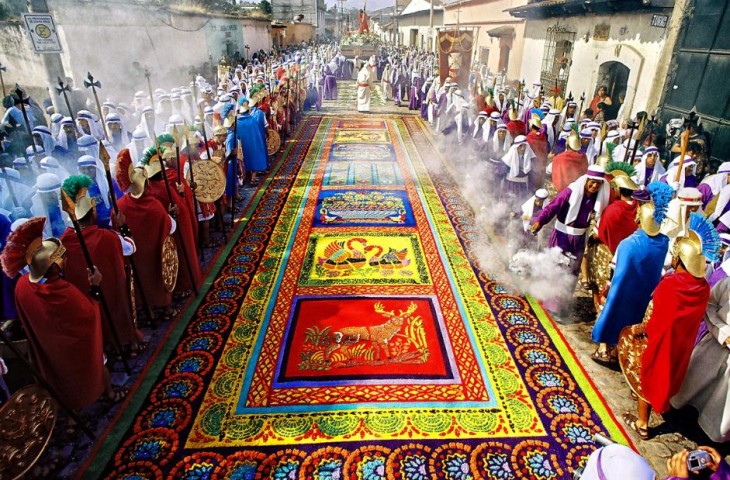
210	181
170	264
273	141
599	268
631	349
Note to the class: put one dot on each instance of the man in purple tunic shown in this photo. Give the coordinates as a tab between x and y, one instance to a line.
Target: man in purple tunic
589	194
330	82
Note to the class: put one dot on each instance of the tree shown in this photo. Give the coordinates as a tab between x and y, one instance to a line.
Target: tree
265	7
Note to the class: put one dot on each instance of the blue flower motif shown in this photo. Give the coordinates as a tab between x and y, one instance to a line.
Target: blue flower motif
147	450
199	344
527	337
226	294
199	472
189	365
539	464
232	281
536	356
509	303
177	390
133	476
329	469
208	325
373	468
577	433
216	309
457	467
244	471
517	319
163	418
498	465
500	289
549	379
415	467
286	471
561	404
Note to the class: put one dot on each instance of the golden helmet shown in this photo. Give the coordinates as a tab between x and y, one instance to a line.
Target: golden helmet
42	255
689	250
647	221
573	141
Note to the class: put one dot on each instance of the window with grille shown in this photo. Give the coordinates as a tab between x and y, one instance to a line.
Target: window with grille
556	58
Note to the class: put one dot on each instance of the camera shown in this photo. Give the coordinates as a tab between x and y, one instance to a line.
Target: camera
698	460
599	440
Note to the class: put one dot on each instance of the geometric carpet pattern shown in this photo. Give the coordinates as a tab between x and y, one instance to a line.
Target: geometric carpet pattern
346	332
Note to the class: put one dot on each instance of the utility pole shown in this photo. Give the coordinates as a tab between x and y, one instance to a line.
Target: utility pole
430	27
52	65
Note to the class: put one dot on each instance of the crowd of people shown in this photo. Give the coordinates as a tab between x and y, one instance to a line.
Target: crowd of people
647	196
119	184
597	178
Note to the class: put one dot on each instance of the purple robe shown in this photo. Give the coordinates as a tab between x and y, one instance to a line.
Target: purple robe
569	244
330	84
414	102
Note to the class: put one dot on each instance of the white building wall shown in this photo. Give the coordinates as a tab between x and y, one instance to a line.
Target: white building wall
632	41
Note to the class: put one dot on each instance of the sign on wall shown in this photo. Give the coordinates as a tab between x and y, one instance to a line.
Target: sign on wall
659	21
43	33
224	38
601	32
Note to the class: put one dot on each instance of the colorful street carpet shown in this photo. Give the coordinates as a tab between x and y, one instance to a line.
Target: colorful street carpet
346	333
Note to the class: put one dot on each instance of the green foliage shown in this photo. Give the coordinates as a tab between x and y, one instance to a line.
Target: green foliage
11	9
265	7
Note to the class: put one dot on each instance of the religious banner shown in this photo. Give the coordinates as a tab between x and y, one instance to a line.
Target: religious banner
455	51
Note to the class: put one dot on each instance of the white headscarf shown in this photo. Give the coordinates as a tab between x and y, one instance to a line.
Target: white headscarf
617	462
99	177
577	190
49	143
672	172
659	169
716	182
516	163
528	208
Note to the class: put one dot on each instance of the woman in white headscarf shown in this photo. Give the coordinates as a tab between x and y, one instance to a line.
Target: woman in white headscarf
519	160
649	169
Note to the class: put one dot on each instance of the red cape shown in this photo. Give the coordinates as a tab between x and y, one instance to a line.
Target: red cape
567	167
106	253
185	239
150	225
64	332
680	301
539	145
516	127
617	222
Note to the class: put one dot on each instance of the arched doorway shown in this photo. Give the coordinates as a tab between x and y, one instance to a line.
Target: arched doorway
615	77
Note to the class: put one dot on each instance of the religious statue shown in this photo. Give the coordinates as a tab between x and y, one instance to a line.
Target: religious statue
364	19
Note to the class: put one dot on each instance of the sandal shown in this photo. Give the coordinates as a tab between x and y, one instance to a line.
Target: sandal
630	419
137	350
117	395
169	315
604	358
585	285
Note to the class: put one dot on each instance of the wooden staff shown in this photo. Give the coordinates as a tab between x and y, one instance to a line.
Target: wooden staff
3	68
19	96
124	230
94	84
683	152
233	157
95	290
62	89
632	127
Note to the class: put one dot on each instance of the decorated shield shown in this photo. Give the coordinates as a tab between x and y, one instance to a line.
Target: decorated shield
210	181
170	264
631	348
599	269
273	141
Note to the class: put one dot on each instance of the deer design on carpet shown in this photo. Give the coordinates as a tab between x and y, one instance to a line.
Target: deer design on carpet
379	335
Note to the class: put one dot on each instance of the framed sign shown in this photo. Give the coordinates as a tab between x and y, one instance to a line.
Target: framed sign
43	33
659	21
601	32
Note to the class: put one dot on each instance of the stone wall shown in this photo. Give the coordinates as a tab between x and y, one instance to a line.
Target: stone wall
115	40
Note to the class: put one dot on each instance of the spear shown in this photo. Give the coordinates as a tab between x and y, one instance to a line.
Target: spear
234	158
124	229
638	137
94	290
604	131
176	136
683	151
147	74
20	98
580	110
632	127
186	134
62	89
94	84
3	68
